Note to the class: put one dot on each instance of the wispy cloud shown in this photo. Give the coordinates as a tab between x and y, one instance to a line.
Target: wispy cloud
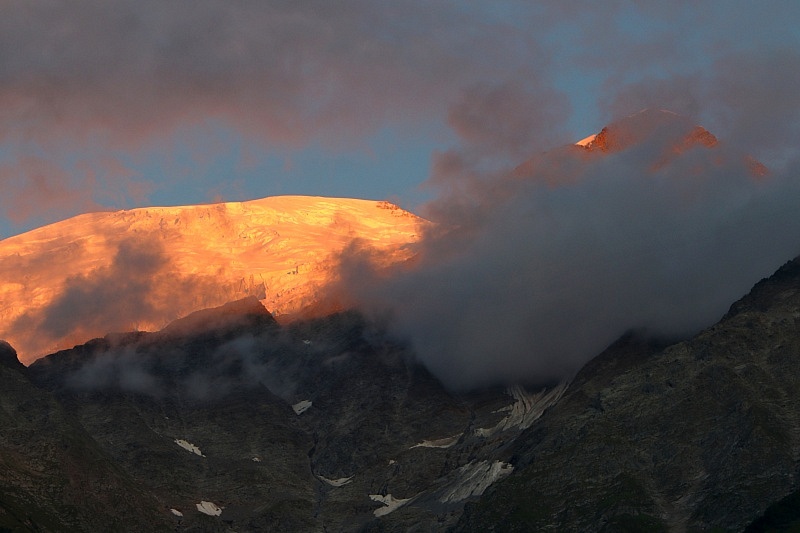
139	289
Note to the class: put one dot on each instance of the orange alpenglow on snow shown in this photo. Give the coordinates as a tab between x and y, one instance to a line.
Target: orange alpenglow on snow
139	269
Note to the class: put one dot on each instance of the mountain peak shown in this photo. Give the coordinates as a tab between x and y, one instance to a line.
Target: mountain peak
248	311
8	356
640	126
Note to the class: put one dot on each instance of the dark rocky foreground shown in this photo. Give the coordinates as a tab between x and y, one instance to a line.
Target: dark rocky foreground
226	421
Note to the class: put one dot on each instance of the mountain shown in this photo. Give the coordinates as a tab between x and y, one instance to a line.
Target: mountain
634	129
235	419
674	133
231	421
142	268
321	425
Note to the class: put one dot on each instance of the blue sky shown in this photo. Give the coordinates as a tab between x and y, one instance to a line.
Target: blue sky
122	104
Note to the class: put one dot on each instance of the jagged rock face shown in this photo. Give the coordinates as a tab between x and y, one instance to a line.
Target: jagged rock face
143	268
700	435
322	424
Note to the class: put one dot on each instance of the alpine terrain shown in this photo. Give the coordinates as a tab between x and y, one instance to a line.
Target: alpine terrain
210	390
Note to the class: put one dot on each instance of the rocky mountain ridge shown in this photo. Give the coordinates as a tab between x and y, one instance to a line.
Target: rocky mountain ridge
325	424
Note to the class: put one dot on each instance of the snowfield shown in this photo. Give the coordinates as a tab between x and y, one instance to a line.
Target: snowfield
337	482
474	478
526	409
390	503
445	442
209	508
188	446
301	407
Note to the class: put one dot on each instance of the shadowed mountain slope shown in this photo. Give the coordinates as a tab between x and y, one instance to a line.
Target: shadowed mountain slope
53	475
702	435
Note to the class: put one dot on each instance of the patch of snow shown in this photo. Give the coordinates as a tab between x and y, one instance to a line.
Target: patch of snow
391	462
256	460
446	442
390	503
337	482
526	409
306	341
474	478
176	512
188	446
586	141
209	508
301	407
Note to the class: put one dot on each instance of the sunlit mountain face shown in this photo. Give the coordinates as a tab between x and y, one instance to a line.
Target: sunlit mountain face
139	269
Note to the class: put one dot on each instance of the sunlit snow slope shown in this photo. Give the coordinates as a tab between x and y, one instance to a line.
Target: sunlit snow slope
137	269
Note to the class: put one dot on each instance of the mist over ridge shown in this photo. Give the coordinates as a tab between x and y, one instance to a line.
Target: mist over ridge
530	271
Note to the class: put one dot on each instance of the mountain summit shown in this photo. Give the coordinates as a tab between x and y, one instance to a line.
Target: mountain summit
141	268
633	129
675	133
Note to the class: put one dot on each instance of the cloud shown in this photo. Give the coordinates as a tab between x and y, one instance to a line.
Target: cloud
121	369
160	364
516	249
33	185
112	79
139	289
105	83
745	98
527	276
111	299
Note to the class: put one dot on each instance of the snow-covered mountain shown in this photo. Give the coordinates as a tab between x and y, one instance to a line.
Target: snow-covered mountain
141	268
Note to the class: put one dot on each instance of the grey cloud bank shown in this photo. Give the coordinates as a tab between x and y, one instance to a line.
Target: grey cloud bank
528	278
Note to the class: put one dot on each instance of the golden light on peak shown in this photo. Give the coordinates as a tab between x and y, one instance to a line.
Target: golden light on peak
141	268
